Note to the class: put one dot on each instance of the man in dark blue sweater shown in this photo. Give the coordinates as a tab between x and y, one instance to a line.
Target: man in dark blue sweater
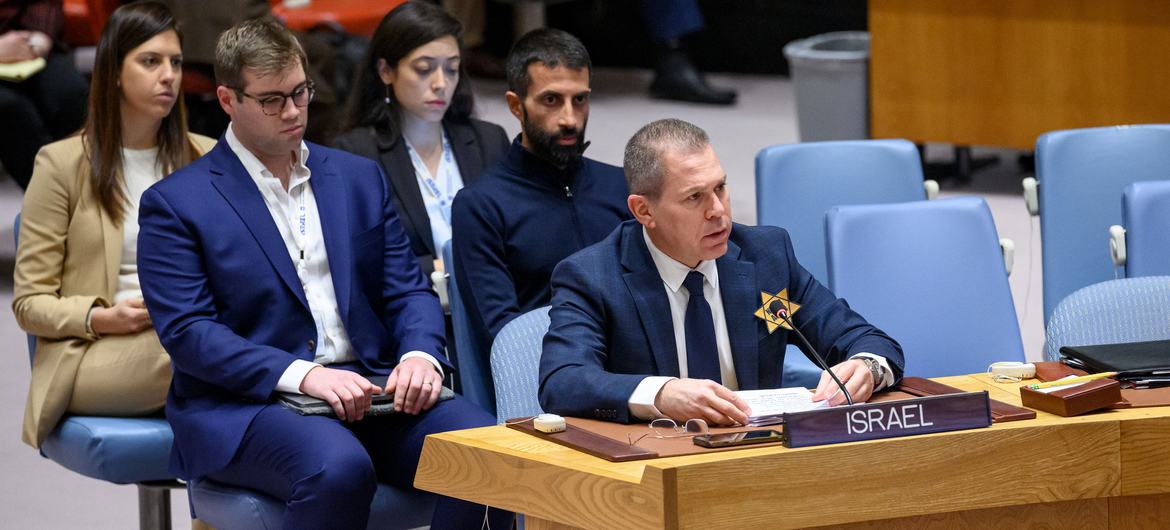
545	200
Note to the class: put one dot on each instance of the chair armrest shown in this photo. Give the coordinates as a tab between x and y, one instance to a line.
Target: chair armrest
1008	247
1117	245
439	280
1032	195
931	187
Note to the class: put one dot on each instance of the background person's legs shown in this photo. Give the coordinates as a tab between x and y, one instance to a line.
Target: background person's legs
479	60
21	136
471	14
60	94
45	107
668	22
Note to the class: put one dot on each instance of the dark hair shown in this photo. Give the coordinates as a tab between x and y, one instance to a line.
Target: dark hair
403	30
259	44
127	28
644	152
552	47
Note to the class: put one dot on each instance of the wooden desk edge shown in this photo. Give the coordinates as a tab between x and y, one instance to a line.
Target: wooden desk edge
654	484
584	496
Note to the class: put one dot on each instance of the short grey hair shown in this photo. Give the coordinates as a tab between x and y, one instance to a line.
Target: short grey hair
262	45
645	150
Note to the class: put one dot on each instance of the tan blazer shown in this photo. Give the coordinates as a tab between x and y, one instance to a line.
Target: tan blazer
60	275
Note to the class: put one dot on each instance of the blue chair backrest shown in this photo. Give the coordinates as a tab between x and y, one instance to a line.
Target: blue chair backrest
796	184
1145	213
471	363
516	364
32	341
1111	312
1082	173
931	275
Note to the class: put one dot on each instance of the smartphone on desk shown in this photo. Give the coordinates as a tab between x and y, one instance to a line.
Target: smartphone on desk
729	439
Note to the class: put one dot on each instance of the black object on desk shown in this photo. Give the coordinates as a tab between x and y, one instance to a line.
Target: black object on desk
1132	360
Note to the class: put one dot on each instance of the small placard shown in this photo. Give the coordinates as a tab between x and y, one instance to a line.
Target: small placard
889	419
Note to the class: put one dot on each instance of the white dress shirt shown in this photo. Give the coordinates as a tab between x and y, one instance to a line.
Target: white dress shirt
438	190
673	273
294	211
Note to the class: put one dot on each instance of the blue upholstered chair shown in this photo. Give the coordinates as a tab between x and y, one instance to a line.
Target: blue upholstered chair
471	362
1110	312
230	507
516	364
930	274
1142	242
118	450
1080	176
796	184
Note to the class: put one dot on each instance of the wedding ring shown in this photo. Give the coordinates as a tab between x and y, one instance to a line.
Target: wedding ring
427	384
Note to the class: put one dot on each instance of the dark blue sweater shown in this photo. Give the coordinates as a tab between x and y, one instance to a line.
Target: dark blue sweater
521	218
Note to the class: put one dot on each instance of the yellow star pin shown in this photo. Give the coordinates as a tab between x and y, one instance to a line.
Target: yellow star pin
771	306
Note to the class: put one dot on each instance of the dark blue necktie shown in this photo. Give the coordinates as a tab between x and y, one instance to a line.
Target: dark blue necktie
702	355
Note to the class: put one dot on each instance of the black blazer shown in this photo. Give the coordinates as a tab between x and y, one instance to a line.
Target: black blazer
477	144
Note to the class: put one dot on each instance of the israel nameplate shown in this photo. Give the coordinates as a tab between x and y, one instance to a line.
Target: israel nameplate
888	419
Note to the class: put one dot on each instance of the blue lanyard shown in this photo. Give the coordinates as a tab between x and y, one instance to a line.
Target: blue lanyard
443	198
423	175
301	222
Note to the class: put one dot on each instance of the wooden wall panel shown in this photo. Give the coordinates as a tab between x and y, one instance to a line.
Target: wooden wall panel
1001	72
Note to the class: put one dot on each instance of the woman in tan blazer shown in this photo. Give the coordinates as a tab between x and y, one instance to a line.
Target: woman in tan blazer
76	281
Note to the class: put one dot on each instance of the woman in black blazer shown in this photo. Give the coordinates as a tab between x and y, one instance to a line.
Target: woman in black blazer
411	111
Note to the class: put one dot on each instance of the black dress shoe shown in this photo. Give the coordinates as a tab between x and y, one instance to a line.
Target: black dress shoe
677	78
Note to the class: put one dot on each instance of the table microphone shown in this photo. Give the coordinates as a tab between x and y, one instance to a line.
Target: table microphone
778	308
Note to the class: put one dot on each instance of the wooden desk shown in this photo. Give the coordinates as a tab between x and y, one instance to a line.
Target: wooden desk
1001	72
1108	469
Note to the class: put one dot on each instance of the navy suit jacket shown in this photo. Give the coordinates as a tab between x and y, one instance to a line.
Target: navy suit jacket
229	308
611	323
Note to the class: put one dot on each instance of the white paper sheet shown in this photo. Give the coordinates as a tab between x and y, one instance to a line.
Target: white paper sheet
768	405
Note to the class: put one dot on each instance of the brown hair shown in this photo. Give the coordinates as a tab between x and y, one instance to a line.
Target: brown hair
262	45
127	28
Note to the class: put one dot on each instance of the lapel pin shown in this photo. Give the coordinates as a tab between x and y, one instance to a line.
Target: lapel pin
774	308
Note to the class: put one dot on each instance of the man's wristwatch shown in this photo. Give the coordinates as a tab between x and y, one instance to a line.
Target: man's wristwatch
875	369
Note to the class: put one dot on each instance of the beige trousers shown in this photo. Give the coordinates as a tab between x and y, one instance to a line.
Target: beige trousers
122	375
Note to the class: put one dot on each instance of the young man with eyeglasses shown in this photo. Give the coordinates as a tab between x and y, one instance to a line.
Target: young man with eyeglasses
276	265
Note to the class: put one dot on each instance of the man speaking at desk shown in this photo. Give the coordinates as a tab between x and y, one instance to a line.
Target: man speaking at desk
675	310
